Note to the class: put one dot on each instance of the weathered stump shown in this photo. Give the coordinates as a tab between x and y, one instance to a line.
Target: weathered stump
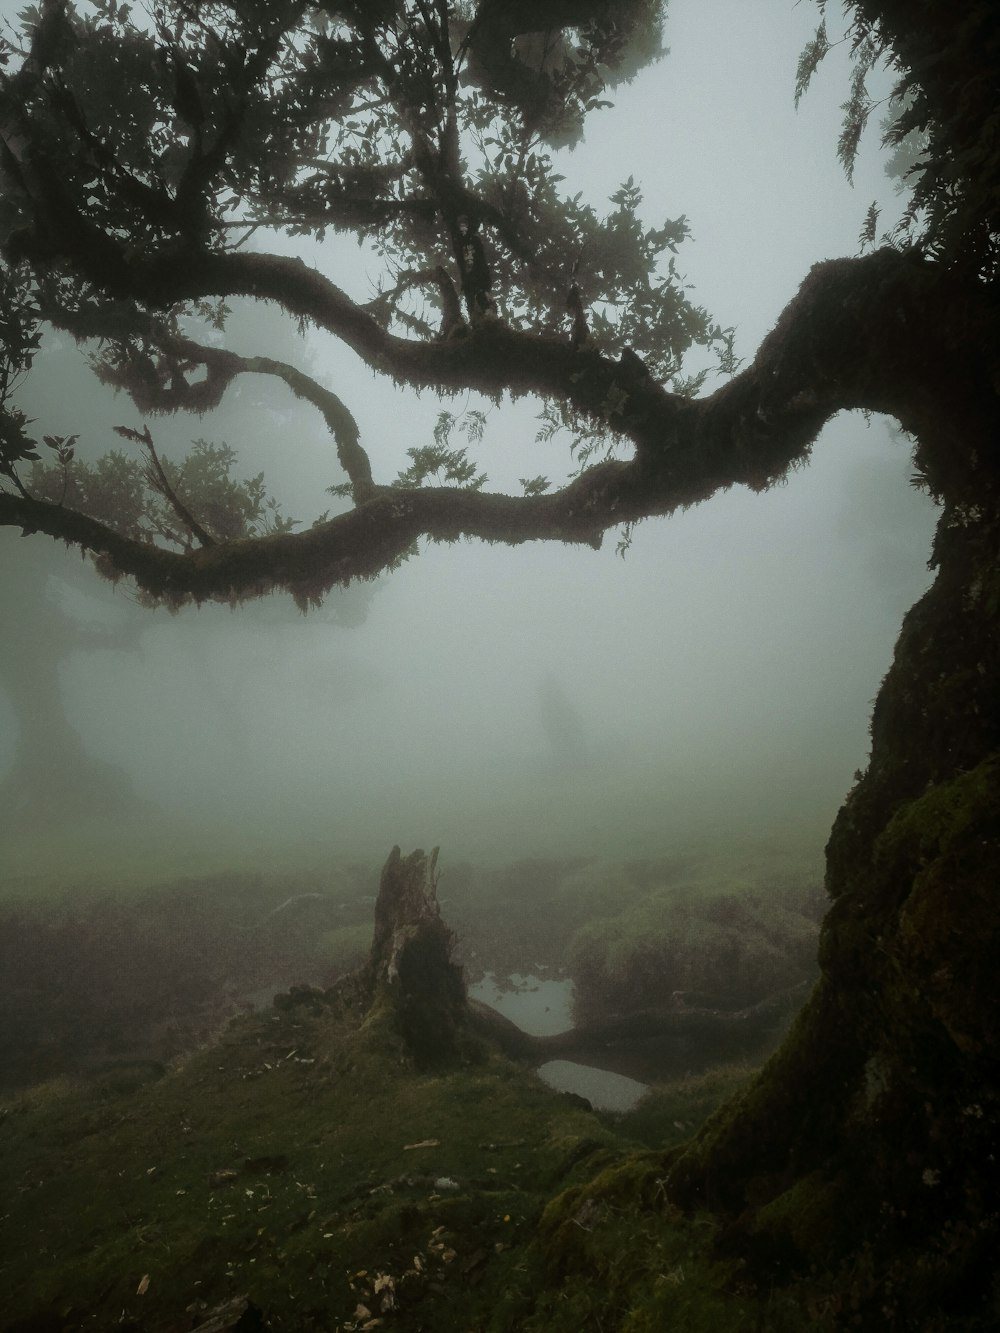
410	975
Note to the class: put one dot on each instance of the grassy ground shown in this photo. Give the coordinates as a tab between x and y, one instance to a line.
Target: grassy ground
302	1168
276	1165
298	1172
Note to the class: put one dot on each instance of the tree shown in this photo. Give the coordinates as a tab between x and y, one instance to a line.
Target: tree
139	160
53	775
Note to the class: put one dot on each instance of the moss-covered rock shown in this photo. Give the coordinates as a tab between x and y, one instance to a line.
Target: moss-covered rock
727	949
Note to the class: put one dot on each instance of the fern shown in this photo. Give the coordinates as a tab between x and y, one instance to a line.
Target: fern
625	539
866	237
856	111
446	465
809	61
534	485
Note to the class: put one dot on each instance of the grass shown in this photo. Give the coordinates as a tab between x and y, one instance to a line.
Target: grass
671	1112
275	1164
303	1167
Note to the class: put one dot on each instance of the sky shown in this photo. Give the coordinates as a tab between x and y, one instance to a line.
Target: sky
718	678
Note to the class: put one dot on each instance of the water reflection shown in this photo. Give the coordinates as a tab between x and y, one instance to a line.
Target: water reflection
605	1091
543	1008
538	1006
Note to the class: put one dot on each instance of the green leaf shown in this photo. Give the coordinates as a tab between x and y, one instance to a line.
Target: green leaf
534	485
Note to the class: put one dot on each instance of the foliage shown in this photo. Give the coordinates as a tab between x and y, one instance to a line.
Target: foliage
143	157
138	148
138	163
19	338
449	465
866	236
132	497
944	103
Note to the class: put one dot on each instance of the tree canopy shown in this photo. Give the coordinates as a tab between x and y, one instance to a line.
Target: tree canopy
142	158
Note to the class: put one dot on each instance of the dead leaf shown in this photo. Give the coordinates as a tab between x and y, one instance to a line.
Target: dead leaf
143	1286
424	1143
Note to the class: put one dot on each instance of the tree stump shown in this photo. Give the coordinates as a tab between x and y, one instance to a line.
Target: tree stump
409	974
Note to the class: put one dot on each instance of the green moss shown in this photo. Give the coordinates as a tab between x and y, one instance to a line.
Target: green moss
810	1217
744	1153
928	827
947	939
614	1254
305	1162
277	1163
737	940
670	1113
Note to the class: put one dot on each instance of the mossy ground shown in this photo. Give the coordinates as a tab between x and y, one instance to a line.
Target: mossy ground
272	1167
279	1165
275	1164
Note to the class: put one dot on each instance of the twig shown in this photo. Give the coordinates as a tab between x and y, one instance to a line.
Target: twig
163	485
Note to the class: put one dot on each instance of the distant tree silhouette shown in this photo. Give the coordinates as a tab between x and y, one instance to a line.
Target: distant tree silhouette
562	724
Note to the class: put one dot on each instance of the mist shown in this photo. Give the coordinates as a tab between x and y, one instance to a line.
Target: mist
709	685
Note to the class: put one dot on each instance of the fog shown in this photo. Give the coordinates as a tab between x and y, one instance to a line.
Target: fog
711	685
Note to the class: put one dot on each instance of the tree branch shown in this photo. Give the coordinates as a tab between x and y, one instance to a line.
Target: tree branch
359	544
338	417
861	333
159	481
149	394
887	333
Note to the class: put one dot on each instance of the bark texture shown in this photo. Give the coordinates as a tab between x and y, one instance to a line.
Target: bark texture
869	1140
412	981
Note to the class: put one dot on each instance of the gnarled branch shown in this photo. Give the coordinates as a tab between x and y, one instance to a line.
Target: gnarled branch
887	333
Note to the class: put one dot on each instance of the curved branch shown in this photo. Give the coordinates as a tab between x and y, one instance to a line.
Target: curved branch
492	359
875	333
338	417
222	367
359	544
887	333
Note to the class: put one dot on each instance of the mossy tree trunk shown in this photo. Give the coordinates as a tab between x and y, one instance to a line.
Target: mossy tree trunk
872	1133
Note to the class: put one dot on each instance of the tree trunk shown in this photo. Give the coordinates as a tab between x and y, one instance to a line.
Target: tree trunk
410	976
870	1137
53	776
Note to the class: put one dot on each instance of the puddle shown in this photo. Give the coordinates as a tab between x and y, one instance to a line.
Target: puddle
543	1008
605	1091
538	1006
